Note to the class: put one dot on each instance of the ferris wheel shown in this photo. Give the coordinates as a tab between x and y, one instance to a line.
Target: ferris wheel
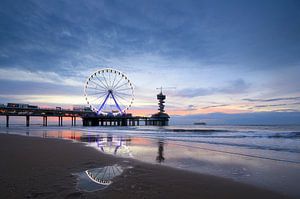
108	91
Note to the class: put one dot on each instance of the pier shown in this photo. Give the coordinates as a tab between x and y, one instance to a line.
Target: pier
89	118
39	112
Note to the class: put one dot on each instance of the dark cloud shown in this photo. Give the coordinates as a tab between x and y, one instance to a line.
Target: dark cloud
68	35
286	110
272	99
215	106
269	105
232	87
190	107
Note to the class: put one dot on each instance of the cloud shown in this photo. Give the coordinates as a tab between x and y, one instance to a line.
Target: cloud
10	87
13	74
271	99
65	35
46	99
233	87
190	107
286	110
215	106
269	105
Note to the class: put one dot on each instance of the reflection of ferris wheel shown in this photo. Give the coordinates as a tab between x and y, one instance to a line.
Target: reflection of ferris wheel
108	91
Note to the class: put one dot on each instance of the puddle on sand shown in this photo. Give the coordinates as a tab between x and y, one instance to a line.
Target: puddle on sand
97	178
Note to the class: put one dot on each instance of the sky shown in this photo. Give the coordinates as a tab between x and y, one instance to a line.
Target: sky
232	56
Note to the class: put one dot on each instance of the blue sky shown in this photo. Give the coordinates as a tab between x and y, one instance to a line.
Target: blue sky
222	56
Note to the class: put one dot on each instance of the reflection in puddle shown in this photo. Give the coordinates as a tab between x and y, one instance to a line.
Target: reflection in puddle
104	175
97	178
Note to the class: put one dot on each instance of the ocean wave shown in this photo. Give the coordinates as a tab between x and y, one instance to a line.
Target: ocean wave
285	135
198	130
251	146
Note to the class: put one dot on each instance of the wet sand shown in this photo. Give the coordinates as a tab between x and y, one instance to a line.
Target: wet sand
34	167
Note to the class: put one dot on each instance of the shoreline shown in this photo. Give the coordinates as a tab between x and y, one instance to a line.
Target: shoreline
39	167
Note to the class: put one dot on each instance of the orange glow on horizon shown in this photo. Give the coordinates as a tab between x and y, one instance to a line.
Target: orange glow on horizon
141	141
229	110
67	134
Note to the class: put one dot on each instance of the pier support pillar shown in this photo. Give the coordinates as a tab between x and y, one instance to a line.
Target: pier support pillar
7	121
45	121
138	122
124	122
27	120
74	120
60	120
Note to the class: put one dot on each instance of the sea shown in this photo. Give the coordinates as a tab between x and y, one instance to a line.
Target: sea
267	156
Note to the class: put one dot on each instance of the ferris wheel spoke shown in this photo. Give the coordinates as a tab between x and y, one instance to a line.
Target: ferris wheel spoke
98	93
123	98
123	93
98	98
96	84
124	89
118	83
109	75
105	80
95	88
121	85
114	80
126	94
104	86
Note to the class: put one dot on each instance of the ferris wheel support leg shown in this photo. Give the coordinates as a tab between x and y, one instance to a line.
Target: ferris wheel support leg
102	105
116	103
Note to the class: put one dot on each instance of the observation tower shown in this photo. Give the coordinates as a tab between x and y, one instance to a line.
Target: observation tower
161	118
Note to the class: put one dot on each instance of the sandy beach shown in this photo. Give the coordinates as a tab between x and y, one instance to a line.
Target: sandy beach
34	167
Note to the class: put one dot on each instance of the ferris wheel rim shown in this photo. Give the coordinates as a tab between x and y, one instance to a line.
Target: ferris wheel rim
110	88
